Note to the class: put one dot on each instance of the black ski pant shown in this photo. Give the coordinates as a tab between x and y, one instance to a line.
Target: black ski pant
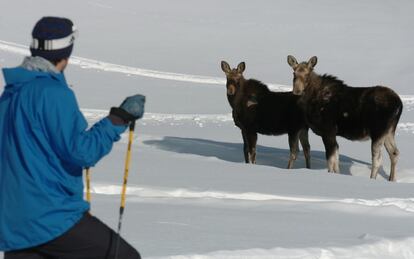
90	238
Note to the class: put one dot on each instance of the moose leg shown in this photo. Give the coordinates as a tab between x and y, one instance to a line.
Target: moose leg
393	152
331	152
252	139
294	147
304	141
376	146
245	147
336	166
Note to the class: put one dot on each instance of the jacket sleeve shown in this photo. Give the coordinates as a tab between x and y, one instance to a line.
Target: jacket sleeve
67	130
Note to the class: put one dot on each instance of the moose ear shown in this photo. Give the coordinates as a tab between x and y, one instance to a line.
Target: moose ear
292	61
241	67
312	62
225	67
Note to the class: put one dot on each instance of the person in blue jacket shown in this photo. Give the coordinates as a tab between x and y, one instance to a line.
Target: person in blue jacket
44	145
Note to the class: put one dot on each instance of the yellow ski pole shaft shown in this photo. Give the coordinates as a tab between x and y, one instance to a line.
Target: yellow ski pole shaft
88	185
127	162
124	185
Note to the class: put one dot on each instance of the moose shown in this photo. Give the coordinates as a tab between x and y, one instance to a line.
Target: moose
333	108
256	109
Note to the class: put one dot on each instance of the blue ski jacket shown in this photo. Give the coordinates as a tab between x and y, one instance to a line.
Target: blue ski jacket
44	144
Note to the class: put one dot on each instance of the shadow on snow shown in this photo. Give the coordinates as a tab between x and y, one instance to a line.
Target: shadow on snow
233	152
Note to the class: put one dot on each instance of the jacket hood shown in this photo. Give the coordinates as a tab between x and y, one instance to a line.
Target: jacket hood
17	77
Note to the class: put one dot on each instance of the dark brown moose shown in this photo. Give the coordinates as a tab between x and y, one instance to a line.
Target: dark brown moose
356	113
256	109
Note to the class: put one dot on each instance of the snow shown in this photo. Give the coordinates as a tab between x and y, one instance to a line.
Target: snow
190	195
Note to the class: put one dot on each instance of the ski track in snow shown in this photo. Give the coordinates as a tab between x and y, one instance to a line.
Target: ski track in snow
93	115
405	204
373	247
201	120
86	63
109	67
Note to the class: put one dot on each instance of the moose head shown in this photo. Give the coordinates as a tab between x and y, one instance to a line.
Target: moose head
234	76
301	73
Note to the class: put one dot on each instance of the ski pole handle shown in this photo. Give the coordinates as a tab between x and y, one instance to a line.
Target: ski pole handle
132	126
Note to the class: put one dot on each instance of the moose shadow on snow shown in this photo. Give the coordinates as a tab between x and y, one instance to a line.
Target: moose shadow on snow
233	152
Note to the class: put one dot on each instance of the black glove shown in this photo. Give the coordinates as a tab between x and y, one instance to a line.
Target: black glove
131	109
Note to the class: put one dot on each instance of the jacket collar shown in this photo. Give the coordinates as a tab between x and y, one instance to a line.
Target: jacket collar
32	68
39	64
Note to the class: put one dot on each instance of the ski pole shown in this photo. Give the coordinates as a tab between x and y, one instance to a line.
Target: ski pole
88	185
124	185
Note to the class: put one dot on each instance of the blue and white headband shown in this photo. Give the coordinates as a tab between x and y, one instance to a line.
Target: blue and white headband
55	44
